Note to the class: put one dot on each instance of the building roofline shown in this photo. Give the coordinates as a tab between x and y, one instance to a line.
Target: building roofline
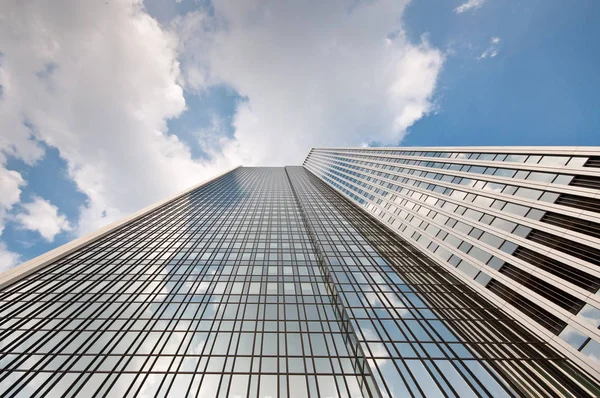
547	150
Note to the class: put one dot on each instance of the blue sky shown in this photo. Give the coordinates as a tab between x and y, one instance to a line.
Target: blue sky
541	88
108	107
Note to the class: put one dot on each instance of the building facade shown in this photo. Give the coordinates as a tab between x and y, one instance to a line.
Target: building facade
520	225
266	282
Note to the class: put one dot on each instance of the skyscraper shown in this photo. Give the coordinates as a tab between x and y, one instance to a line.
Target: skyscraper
268	282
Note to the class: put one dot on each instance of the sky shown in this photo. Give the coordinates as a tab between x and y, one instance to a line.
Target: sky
107	106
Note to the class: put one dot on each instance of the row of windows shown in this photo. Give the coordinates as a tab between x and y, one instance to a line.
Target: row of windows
533	176
381	185
406	210
545	160
455	196
186	384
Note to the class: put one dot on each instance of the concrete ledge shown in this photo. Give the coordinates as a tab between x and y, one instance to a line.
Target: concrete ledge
531	150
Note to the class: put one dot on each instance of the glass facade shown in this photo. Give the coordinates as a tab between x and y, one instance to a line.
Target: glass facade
520	224
264	282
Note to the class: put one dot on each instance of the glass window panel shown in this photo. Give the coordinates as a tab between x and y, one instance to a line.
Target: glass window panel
541	177
498	204
423	378
495	263
297	386
577	161
480	255
592	350
289	288
555	161
484	376
516	158
467	269
503	224
549	197
239	386
516	209
487	157
507	173
563	179
536	214
528	193
268	386
487	219
465	247
509	190
188	364
573	336
483	278
483	201
209	386
473	214
294	344
590	314
462	227
508	247
327	386
454	378
522	174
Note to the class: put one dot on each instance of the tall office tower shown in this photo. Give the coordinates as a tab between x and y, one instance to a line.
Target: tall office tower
519	225
264	282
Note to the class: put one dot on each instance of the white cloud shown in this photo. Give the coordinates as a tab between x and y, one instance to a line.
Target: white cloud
8	259
10	189
42	216
469	5
99	81
321	73
492	49
10	194
212	137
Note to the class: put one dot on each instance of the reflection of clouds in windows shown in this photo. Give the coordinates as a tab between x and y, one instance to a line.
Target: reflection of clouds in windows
239	386
592	350
150	385
590	314
209	385
393	380
372	344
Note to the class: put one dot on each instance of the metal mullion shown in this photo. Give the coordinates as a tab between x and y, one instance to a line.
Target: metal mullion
97	335
73	333
320	219
429	364
135	342
117	364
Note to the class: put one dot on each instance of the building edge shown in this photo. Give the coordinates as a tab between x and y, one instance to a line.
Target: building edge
530	150
24	269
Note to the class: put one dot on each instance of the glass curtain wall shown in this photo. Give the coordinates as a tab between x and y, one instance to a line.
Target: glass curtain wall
262	283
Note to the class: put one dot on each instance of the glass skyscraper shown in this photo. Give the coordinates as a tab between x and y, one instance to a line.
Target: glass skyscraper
275	282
